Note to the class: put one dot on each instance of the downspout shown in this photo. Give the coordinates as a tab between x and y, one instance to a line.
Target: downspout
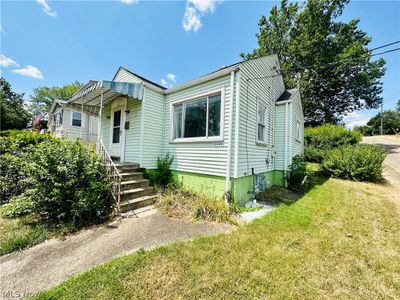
286	140
228	155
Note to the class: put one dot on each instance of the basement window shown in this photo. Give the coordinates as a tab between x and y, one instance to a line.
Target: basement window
261	125
198	119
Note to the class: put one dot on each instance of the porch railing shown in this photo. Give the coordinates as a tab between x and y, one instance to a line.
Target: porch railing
112	172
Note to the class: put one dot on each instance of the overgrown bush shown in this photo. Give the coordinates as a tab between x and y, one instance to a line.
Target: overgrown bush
318	141
12	141
162	176
297	173
177	202
57	180
355	162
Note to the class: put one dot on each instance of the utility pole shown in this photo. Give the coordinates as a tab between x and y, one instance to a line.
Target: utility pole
382	117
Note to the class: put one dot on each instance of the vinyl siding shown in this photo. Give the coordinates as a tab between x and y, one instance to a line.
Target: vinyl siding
251	155
132	135
105	126
124	76
199	157
297	114
152	146
279	158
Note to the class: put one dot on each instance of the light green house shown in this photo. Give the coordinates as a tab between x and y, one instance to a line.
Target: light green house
221	128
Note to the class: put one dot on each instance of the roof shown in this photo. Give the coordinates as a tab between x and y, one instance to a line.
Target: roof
287	95
55	102
140	77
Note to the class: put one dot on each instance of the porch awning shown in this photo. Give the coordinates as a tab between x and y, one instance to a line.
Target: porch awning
90	93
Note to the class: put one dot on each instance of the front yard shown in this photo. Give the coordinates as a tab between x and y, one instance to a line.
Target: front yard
340	240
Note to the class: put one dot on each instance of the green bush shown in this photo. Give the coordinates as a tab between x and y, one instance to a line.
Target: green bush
355	162
297	173
12	141
162	176
318	141
67	184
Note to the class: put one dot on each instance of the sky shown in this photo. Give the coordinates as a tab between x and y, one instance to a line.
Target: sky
52	43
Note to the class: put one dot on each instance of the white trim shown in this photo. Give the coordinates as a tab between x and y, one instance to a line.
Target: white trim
198	139
237	121
283	102
230	125
72	116
118	104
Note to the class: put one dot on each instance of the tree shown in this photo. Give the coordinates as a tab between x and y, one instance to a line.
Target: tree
12	112
43	97
398	106
391	123
327	58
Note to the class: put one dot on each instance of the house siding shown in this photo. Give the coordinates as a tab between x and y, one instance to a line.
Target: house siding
199	157
132	135
279	158
125	76
297	114
152	136
258	81
105	128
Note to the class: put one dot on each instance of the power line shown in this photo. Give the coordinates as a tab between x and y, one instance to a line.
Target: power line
383	46
391	50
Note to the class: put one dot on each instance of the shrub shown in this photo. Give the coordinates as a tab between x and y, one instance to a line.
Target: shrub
297	173
69	184
162	176
355	162
12	141
176	202
318	141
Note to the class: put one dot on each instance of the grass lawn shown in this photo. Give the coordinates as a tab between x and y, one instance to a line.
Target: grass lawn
20	233
341	240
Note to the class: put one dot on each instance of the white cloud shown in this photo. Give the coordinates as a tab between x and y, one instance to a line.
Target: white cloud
46	8
7	62
129	1
29	71
171	77
195	10
170	81
356	119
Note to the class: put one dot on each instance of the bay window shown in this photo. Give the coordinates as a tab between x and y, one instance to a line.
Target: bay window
198	118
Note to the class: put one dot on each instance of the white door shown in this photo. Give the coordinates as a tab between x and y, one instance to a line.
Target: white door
116	131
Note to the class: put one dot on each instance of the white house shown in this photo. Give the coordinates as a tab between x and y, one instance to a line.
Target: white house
70	121
226	130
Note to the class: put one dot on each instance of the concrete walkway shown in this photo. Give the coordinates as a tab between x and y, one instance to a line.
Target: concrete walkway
48	264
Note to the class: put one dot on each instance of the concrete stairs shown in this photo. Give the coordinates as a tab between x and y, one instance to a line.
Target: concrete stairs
135	189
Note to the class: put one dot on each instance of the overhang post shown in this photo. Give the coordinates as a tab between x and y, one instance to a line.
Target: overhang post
99	137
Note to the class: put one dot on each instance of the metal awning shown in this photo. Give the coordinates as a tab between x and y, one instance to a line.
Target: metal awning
90	94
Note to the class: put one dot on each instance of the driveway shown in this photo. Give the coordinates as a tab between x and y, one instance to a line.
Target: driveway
48	264
391	143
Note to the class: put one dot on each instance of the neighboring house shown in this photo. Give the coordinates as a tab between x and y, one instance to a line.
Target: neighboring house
70	121
221	128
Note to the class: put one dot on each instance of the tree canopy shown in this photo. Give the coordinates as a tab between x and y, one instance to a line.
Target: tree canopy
327	58
43	97
391	123
12	112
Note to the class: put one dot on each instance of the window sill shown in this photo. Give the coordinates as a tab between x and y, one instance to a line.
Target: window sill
197	140
262	144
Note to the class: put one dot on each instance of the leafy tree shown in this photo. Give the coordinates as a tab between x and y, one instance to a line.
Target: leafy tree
12	112
398	106
43	96
391	123
329	59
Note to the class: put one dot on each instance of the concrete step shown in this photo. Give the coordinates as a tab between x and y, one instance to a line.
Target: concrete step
137	193
137	203
127	167
133	184
127	176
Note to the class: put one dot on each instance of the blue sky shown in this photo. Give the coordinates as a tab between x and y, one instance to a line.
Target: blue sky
51	43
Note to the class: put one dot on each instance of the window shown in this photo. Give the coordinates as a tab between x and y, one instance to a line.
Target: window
58	118
298	129
261	110
199	118
76	119
116	127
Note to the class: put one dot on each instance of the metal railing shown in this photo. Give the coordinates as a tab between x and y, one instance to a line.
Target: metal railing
112	172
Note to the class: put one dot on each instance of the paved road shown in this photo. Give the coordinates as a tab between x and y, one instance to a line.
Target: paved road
48	264
392	162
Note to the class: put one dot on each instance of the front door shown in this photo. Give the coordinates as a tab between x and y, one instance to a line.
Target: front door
116	133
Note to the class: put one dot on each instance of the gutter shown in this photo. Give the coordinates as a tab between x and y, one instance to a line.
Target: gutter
228	155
